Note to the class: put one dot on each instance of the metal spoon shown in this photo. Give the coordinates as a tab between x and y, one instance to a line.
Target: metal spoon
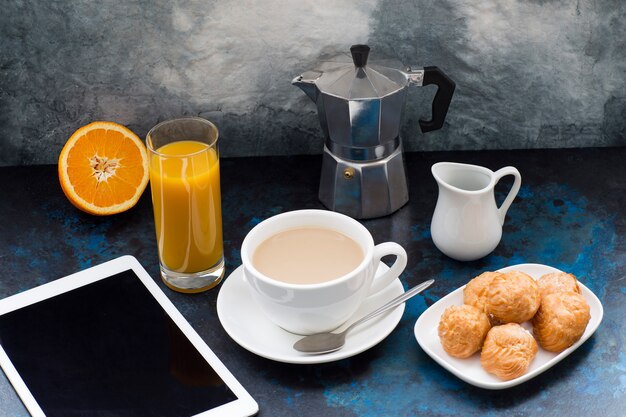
329	342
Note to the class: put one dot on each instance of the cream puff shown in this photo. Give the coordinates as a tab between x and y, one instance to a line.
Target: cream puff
557	282
561	320
513	297
508	351
462	330
476	291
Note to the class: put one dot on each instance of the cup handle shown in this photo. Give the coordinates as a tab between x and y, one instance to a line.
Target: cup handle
384	249
512	193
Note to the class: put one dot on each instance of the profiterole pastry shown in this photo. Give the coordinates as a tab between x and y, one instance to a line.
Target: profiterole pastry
557	282
508	351
561	320
462	330
476	291
513	297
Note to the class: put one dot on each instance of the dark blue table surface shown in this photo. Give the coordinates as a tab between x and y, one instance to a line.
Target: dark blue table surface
570	214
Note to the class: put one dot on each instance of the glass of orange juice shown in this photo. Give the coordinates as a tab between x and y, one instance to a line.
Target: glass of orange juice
185	183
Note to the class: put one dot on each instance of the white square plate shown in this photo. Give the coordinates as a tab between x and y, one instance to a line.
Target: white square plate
470	370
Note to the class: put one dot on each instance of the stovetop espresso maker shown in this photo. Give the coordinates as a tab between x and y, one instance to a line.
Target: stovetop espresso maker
360	110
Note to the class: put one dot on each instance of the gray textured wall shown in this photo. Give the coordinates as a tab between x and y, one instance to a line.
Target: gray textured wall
529	73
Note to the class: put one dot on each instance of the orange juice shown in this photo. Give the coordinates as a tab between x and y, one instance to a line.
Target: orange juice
185	181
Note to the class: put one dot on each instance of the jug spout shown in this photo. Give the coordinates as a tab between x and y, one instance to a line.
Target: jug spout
306	82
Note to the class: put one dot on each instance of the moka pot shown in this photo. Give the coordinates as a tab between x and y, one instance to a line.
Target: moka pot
360	111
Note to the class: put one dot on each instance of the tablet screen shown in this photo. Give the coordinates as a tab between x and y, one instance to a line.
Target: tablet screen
109	349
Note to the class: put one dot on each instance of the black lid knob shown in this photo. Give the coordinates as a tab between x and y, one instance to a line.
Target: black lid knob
359	54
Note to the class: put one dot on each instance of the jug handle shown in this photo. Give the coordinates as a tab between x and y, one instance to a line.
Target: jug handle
443	97
512	193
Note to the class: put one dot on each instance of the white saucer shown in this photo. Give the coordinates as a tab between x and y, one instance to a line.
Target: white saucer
470	370
247	325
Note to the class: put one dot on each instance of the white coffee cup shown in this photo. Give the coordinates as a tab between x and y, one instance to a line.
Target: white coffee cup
313	308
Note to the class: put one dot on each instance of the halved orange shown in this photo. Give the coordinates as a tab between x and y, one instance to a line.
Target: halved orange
103	168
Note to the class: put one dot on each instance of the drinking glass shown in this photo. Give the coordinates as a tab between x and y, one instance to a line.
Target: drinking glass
185	184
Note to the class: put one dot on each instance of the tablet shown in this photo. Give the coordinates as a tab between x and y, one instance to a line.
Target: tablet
107	341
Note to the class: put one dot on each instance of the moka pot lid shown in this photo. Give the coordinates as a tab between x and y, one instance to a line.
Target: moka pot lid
359	81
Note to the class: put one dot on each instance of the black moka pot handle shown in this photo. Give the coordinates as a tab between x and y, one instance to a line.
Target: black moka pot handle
441	102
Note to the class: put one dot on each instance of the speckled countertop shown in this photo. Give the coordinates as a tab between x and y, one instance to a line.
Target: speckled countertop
570	214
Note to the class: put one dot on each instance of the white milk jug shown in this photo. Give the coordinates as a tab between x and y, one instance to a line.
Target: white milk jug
467	223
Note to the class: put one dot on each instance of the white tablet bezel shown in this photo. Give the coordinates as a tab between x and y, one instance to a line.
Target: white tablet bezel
244	405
